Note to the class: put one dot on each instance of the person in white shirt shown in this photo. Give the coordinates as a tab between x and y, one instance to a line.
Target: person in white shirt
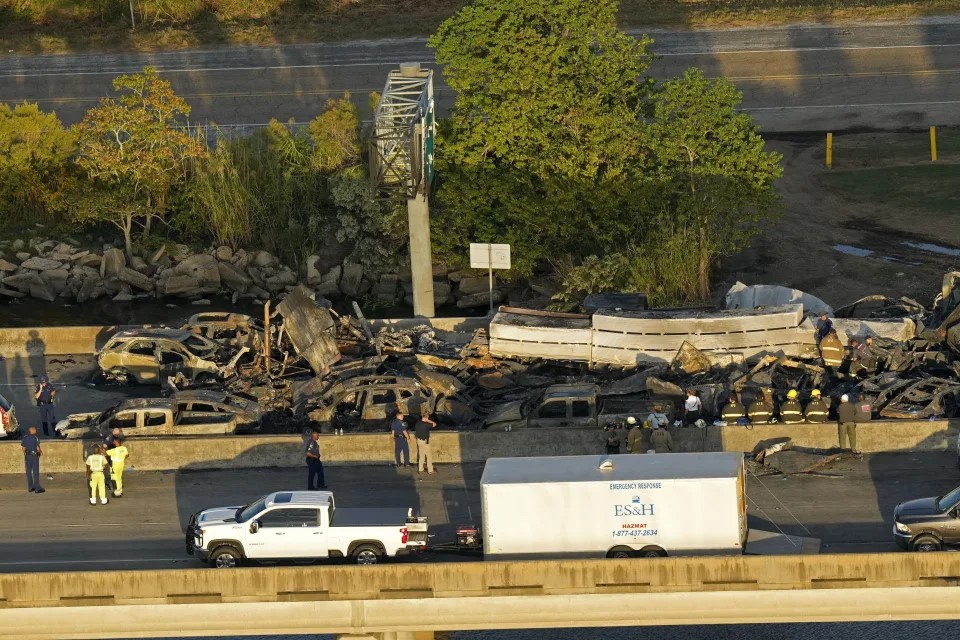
692	407
96	464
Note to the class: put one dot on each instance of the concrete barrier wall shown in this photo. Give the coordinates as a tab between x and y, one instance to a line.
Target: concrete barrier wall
242	452
487	579
57	341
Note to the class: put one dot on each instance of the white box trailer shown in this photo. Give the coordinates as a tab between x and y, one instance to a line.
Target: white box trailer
614	506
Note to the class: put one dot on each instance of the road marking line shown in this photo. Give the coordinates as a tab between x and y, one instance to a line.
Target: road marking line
247	94
105	560
852	106
706	52
388	63
853	74
118	524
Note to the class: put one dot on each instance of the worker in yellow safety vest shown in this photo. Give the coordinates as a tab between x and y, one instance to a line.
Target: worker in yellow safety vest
96	463
118	457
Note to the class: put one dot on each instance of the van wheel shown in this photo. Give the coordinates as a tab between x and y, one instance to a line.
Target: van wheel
925	543
621	552
367	554
652	552
225	558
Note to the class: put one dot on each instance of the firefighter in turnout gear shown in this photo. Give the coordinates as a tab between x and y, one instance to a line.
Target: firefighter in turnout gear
817	410
790	411
761	410
732	411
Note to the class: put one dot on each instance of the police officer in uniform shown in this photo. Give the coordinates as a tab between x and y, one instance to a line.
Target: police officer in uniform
31	459
760	410
44	395
732	411
314	464
790	411
817	409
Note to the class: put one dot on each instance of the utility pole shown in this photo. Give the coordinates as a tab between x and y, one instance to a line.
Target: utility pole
401	163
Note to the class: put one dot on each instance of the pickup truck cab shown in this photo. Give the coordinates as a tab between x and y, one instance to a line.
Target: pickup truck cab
302	525
928	524
565	405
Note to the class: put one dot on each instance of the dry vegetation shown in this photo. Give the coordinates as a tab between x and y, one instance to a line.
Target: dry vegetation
55	26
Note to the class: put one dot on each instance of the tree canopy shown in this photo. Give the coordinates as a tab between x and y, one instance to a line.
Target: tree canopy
561	145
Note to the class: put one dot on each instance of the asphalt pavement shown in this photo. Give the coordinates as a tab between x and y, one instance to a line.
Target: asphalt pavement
795	78
848	506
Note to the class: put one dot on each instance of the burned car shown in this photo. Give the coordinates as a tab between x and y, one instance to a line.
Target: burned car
152	355
153	417
229	329
363	403
195	406
8	419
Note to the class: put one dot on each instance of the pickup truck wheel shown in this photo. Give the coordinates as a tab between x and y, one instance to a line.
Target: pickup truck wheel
367	554
926	543
621	552
225	558
652	552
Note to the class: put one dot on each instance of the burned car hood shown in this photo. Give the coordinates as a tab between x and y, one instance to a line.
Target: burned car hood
919	509
509	412
217	515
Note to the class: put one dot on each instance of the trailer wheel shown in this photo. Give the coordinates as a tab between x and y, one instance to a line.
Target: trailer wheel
621	552
652	552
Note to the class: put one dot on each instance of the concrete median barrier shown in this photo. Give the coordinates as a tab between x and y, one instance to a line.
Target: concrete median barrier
246	452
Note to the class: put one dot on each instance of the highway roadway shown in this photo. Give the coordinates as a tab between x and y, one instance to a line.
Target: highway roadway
849	507
802	78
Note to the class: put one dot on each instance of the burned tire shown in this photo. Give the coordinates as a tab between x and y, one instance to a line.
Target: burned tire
652	552
225	558
925	543
621	553
121	376
367	554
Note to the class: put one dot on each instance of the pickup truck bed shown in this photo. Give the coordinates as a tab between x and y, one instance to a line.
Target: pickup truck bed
369	517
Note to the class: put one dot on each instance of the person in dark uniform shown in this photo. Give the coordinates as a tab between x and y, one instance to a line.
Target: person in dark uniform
733	411
817	410
761	409
314	464
31	458
790	411
401	440
44	395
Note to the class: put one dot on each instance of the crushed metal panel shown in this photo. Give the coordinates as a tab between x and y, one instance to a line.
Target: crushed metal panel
690	360
922	399
741	296
635	383
310	329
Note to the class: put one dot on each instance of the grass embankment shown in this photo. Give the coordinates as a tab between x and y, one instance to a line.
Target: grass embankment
60	26
894	172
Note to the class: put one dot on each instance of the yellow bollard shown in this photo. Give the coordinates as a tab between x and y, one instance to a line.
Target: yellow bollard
829	150
933	144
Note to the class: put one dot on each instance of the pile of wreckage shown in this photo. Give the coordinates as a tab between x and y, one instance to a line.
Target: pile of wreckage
312	366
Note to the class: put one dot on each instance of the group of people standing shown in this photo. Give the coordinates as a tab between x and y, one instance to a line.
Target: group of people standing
650	436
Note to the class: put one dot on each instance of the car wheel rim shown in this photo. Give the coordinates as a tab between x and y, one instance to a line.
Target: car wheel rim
366	557
226	561
926	546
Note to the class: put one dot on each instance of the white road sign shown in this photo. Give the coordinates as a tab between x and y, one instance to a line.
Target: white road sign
489	256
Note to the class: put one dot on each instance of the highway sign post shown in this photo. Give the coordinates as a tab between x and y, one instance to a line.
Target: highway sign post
488	256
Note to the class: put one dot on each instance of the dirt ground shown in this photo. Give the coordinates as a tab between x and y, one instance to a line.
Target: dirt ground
882	195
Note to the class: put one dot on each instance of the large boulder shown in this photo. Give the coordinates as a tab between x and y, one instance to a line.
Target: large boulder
203	268
139	264
113	262
264	259
469	285
224	253
475	300
182	285
233	278
41	290
91	289
441	292
329	285
7	266
314	277
90	260
350	279
22	281
240	259
136	279
23	255
56	280
385	290
41	264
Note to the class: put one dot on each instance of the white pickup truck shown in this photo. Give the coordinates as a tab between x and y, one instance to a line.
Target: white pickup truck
302	525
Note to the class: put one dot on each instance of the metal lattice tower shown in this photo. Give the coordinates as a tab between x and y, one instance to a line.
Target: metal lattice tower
401	144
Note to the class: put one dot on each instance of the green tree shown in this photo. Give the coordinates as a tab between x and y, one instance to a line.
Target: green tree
134	147
544	142
336	136
35	153
715	175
